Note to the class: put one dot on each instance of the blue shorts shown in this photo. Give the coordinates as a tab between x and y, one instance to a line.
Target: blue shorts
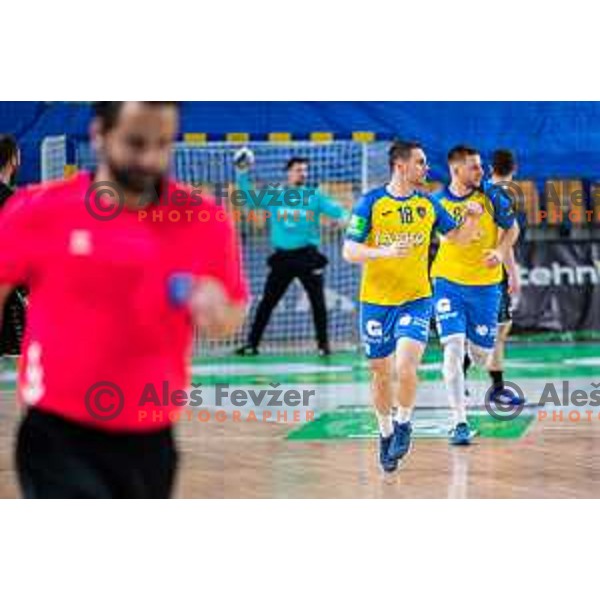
382	326
468	309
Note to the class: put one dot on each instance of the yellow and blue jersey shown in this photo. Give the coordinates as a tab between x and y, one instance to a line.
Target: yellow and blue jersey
464	263
381	219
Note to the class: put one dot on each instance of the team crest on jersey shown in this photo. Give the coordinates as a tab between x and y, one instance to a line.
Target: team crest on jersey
422	212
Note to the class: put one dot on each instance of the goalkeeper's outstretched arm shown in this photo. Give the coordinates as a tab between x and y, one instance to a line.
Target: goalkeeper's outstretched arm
332	208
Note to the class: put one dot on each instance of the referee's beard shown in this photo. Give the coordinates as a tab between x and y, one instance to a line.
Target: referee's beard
136	181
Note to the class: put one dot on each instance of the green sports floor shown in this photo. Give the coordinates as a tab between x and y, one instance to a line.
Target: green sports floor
524	360
341	405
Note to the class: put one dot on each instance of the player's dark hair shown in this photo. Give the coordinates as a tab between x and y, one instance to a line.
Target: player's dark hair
503	163
9	149
459	153
401	150
108	112
296	160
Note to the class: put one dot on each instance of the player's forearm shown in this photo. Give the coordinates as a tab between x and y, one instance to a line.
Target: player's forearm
510	261
507	239
333	209
355	252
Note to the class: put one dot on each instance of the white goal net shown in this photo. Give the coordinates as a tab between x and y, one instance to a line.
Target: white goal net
341	169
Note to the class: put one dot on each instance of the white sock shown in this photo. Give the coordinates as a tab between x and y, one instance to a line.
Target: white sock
386	427
454	378
403	415
459	411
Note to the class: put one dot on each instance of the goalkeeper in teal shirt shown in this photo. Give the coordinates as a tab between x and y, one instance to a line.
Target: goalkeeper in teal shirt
295	213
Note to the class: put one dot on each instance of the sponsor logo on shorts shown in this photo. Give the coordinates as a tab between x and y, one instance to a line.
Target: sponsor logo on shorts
443	305
405	320
374	329
482	330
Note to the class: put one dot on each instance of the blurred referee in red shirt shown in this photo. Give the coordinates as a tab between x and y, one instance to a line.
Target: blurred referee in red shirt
113	298
13	313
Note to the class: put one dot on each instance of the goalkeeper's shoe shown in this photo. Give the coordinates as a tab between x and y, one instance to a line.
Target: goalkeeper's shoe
324	350
247	350
461	435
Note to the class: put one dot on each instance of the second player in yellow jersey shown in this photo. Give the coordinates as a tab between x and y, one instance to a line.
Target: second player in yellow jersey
466	264
467	279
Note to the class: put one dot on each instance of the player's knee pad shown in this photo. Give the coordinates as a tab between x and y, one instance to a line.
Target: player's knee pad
480	356
454	355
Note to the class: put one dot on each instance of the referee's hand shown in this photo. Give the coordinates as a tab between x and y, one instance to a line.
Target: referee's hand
212	310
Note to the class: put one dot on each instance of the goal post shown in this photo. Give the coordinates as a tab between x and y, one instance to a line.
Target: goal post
341	169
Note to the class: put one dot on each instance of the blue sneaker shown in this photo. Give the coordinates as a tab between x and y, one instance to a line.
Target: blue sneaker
388	464
401	440
461	435
506	397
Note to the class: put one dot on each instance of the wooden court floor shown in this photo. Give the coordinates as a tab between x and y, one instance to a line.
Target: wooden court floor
255	460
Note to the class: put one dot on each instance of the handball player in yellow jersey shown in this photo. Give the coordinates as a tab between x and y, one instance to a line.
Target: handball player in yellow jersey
390	233
467	278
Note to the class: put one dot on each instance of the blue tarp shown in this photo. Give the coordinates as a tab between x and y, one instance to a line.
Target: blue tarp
552	139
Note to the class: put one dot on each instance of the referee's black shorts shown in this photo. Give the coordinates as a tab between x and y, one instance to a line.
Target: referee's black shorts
56	458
